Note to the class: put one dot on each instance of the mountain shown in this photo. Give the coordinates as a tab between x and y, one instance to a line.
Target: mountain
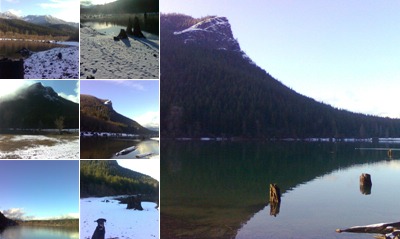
48	20
37	107
210	88
8	15
98	115
5	222
107	178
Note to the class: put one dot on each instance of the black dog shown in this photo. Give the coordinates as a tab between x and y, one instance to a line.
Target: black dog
100	229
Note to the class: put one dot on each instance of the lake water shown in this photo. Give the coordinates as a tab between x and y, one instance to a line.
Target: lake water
22	232
8	49
103	148
220	189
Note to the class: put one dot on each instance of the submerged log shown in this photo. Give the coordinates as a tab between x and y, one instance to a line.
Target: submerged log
365	184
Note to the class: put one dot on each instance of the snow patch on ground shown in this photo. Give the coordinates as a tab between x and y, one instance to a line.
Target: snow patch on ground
48	65
121	222
104	58
62	148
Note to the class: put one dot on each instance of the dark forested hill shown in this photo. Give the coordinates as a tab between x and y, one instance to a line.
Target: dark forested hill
107	178
98	115
5	222
37	107
209	87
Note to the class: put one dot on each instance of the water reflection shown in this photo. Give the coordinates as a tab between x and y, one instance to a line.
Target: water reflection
210	189
9	49
106	148
317	208
25	232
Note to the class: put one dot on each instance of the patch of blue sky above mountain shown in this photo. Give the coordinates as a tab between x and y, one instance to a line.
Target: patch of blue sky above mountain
67	10
136	99
35	189
344	53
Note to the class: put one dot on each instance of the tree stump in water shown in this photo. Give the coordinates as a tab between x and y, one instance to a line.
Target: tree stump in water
365	184
274	199
274	193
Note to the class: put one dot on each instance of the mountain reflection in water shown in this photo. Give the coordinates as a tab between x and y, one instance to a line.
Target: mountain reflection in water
220	189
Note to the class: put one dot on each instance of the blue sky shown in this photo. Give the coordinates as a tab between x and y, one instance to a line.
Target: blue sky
345	52
67	10
135	99
39	189
68	89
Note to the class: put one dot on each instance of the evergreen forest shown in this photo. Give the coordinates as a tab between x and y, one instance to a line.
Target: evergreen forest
106	178
208	92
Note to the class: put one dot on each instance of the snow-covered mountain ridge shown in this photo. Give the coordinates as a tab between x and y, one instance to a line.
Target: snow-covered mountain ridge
214	31
37	19
8	15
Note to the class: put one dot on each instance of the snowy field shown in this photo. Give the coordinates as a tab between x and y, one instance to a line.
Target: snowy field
39	147
104	58
48	64
121	222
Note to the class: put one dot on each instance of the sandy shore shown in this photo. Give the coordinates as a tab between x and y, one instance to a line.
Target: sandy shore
104	58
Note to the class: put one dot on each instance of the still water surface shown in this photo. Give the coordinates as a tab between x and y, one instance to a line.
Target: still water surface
106	148
220	189
8	49
22	232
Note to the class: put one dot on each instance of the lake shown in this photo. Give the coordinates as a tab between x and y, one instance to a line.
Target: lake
24	232
221	189
112	24
106	148
8	49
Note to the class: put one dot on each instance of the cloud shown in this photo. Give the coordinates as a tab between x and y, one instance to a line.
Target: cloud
15	12
8	88
16	214
67	10
13	1
73	98
130	84
149	119
55	4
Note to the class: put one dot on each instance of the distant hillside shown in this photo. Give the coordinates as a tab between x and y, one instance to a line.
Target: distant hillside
107	178
98	115
37	107
22	29
5	222
210	87
74	223
48	20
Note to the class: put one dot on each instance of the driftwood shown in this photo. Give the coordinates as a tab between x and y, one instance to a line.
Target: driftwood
387	230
